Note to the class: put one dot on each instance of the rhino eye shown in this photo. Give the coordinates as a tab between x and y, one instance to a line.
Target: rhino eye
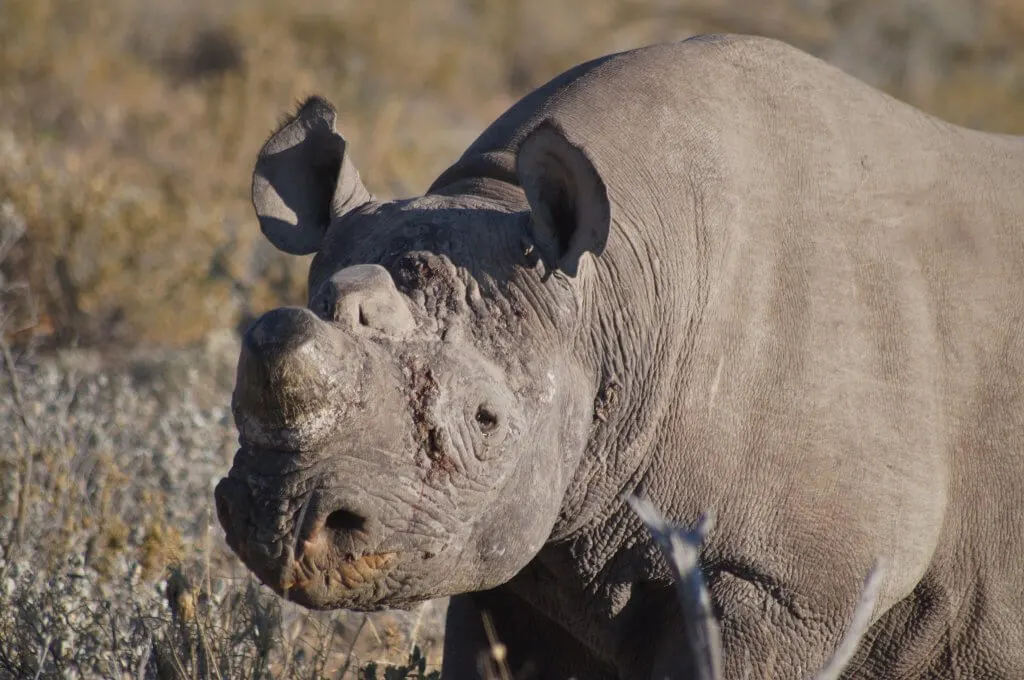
486	419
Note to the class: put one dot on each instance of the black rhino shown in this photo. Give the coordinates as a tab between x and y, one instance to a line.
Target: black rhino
720	273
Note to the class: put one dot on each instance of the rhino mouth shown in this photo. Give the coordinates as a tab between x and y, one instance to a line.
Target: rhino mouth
331	549
312	567
311	584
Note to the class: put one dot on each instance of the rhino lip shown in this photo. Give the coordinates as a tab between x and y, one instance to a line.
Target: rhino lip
346	574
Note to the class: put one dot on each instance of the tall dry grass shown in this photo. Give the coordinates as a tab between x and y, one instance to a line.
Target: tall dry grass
128	127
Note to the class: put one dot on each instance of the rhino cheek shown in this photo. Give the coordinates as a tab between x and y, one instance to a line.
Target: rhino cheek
504	549
514	528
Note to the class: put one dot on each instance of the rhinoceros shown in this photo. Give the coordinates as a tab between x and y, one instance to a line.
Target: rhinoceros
718	273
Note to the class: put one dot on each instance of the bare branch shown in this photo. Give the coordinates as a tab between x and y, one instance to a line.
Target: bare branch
859	625
682	549
43	649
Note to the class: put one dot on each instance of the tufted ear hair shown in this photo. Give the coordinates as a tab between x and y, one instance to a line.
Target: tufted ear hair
570	211
303	179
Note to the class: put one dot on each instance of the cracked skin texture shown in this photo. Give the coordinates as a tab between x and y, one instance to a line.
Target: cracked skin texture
718	272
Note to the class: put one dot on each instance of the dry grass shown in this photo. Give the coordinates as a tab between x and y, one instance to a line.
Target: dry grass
128	127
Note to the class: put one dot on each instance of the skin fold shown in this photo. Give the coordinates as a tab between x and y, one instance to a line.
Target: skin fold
719	273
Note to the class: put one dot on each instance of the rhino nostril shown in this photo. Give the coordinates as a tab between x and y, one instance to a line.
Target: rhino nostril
344	521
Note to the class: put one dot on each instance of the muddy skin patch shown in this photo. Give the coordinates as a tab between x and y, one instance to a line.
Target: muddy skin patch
441	463
423	394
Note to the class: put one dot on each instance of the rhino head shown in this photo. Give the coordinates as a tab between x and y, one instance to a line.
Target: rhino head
415	430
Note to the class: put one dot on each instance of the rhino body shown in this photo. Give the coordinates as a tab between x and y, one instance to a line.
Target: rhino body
720	274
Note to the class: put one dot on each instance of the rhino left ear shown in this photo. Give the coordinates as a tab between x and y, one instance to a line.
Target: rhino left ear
304	178
571	214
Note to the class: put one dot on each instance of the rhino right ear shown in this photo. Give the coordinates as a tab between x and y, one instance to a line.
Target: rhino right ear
303	179
569	206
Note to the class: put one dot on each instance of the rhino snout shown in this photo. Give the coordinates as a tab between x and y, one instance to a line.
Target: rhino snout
330	549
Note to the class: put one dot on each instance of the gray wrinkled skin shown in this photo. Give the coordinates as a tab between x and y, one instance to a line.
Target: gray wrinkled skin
720	273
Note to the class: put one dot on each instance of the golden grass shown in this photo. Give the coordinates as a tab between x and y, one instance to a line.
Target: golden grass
128	127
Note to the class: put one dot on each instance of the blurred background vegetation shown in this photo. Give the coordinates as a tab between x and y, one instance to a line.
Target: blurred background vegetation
128	128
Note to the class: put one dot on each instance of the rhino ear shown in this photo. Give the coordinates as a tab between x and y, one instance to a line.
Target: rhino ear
304	178
568	199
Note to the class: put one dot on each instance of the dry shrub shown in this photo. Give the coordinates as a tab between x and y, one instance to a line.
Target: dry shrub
128	127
